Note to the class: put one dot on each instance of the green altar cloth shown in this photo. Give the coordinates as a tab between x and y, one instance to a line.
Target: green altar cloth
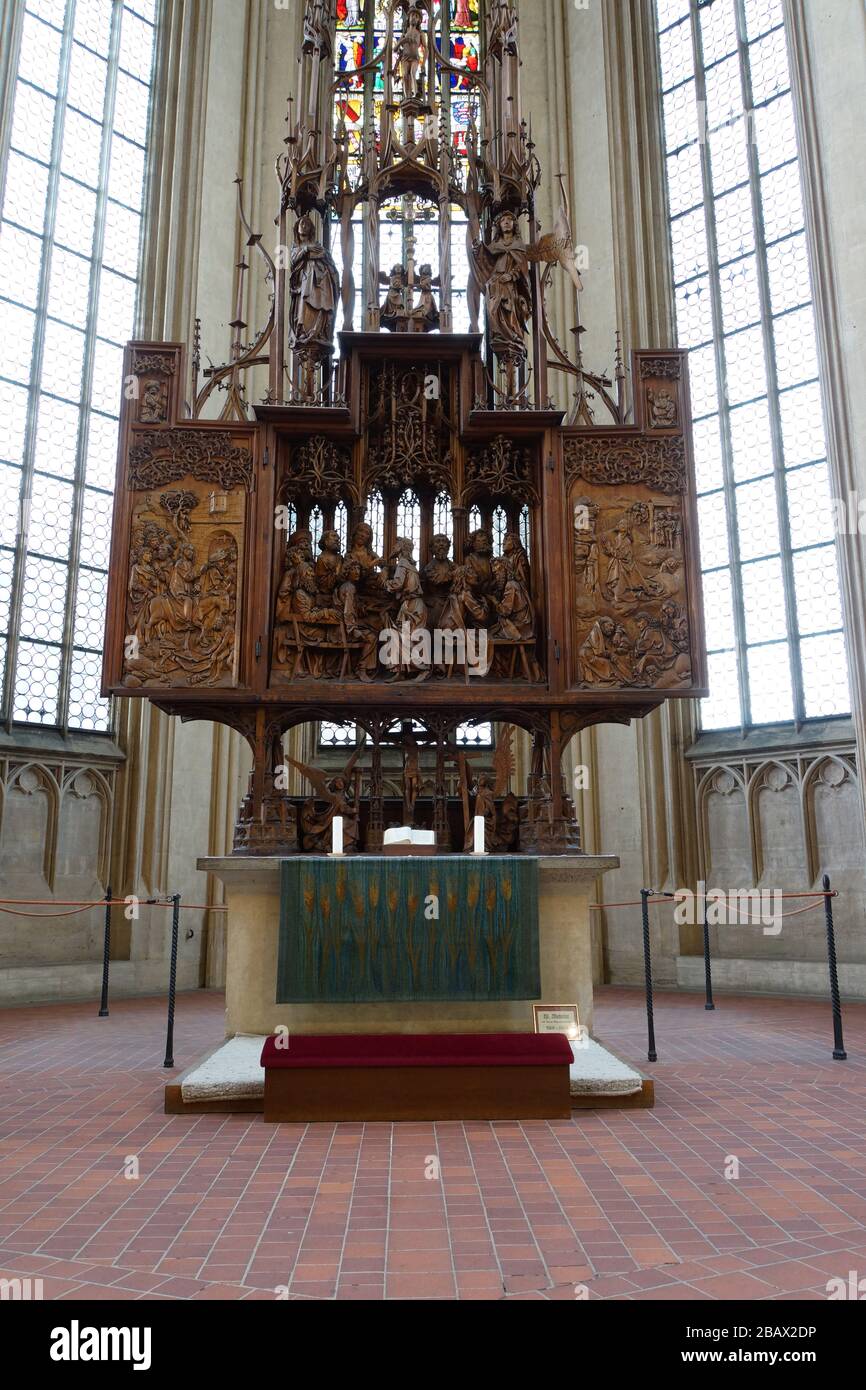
365	930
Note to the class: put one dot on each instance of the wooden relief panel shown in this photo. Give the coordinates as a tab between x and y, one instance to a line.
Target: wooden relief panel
187	542
632	626
155	373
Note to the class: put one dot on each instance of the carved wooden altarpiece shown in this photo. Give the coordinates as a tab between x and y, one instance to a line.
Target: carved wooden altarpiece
404	533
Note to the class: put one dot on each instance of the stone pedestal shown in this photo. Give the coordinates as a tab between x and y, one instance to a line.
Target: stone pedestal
566	886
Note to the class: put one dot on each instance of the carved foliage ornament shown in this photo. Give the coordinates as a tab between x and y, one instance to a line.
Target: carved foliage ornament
657	463
409	439
210	457
503	469
670	367
320	469
154	362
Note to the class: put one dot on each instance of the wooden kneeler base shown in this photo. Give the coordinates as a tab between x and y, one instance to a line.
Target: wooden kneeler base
417	1093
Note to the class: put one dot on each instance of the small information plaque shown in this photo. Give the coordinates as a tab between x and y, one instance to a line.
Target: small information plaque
556	1018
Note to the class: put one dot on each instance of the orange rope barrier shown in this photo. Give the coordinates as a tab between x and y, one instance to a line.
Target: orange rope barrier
45	916
675	898
103	902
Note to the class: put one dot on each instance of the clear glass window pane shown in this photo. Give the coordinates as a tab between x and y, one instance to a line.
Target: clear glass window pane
69	257
743	301
772	699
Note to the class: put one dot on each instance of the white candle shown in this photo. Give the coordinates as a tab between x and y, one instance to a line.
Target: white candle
337	835
479	836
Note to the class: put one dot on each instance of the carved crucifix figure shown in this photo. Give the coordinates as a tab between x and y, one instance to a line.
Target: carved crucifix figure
411	778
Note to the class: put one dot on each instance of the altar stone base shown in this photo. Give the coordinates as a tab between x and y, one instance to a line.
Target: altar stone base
567	885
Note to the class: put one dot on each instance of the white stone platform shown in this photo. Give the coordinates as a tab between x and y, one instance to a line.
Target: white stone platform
233	1072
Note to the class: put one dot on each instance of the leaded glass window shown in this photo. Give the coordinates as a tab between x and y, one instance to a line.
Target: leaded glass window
72	198
744	309
409	519
360	34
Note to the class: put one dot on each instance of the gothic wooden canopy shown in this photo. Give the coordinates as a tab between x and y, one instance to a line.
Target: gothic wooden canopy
403	528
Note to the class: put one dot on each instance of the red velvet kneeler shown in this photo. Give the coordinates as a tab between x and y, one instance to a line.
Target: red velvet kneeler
411	1076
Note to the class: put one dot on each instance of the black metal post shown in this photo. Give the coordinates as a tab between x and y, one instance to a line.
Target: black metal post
652	1055
708	969
172	982
106	955
838	1042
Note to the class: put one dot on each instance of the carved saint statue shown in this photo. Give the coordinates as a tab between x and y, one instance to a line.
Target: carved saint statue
143	583
315	290
604	657
329	564
408	63
662	409
513	604
153	403
369	563
401	653
479	568
518	560
437	576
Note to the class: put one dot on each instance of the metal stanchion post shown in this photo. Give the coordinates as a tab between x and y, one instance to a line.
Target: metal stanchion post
645	895
708	969
838	1043
106	955
172	982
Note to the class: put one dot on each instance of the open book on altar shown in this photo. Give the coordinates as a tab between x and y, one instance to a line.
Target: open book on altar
405	835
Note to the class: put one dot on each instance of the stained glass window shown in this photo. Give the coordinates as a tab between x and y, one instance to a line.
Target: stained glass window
360	34
744	309
69	250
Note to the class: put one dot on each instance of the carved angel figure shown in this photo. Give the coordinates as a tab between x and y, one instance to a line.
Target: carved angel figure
502	267
557	247
392	314
425	315
340	798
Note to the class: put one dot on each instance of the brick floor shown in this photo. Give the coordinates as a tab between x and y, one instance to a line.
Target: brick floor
612	1205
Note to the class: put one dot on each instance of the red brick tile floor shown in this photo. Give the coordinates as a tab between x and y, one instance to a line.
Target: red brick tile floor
630	1204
